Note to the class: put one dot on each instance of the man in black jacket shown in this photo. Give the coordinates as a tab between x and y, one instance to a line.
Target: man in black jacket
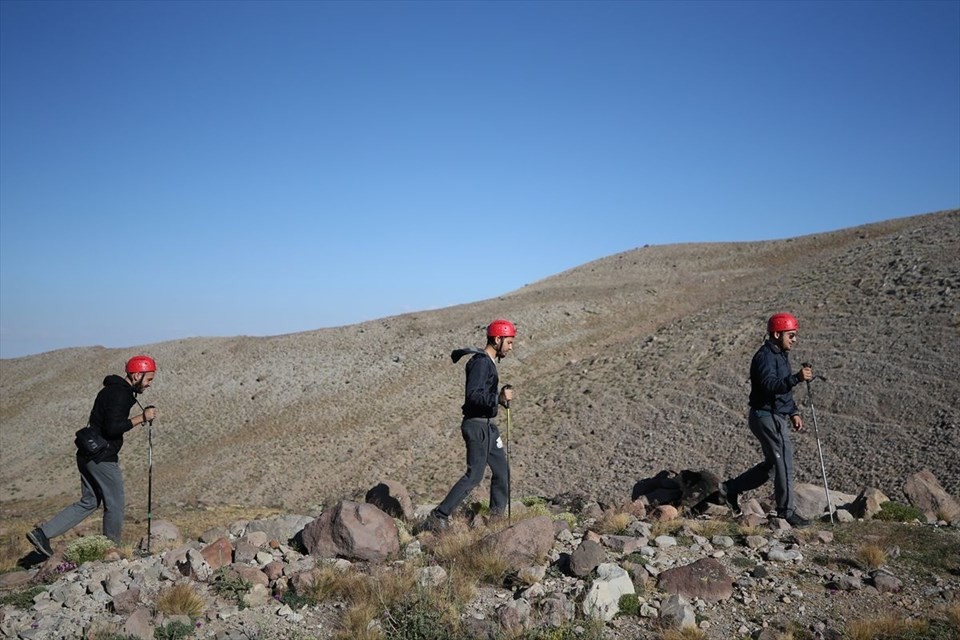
772	413
480	433
100	479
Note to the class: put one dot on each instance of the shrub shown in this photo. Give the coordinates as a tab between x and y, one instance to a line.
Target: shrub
416	619
21	599
629	605
107	631
88	549
687	633
174	630
580	630
568	517
230	585
180	599
898	512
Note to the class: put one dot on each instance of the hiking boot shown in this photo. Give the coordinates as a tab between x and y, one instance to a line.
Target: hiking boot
732	500
435	523
796	521
40	542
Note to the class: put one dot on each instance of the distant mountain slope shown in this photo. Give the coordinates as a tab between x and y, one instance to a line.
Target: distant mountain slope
624	366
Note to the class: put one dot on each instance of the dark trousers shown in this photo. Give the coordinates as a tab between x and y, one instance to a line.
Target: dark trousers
100	483
773	432
484	447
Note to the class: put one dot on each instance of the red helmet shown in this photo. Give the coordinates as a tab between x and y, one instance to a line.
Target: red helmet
141	364
501	329
780	322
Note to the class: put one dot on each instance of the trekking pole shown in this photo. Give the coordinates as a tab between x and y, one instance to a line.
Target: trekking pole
509	488
816	433
149	475
506	405
149	482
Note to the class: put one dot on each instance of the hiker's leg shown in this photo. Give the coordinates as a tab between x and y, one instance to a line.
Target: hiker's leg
475	435
110	481
763	428
783	468
499	465
69	517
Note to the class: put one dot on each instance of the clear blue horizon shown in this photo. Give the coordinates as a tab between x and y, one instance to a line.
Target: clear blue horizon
182	169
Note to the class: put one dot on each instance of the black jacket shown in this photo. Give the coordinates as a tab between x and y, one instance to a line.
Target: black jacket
111	414
482	389
771	381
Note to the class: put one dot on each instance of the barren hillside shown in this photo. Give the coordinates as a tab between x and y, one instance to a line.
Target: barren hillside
624	366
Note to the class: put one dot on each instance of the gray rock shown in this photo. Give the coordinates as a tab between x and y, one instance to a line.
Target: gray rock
603	598
677	612
586	558
705	578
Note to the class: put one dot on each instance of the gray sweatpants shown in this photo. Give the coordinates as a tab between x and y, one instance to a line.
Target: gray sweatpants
100	483
484	447
773	432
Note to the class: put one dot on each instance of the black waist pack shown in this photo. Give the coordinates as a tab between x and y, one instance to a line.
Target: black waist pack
90	442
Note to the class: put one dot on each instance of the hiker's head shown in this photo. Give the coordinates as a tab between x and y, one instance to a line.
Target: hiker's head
500	336
782	329
140	372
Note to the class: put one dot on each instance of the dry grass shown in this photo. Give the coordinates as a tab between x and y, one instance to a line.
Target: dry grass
687	633
104	631
390	595
333	584
355	623
181	599
745	530
667	528
871	556
614	523
463	554
710	528
953	615
889	627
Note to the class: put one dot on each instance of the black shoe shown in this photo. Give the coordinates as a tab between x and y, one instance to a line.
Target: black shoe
732	500
435	523
797	521
40	542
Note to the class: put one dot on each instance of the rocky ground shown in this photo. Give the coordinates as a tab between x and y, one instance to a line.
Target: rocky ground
566	570
623	367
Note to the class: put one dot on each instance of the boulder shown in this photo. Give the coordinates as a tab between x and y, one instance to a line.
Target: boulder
523	544
867	504
586	558
925	492
392	498
283	528
354	531
705	579
810	500
218	553
602	601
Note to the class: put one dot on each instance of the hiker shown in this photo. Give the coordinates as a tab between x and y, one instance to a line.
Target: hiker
482	396
100	478
772	413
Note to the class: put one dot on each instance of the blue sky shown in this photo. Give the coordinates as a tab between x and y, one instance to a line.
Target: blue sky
180	169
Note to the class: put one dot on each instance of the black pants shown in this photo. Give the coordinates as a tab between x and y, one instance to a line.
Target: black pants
773	432
484	447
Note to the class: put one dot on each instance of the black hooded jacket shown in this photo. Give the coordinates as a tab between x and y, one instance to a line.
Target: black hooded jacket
481	392
771	381
111	414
